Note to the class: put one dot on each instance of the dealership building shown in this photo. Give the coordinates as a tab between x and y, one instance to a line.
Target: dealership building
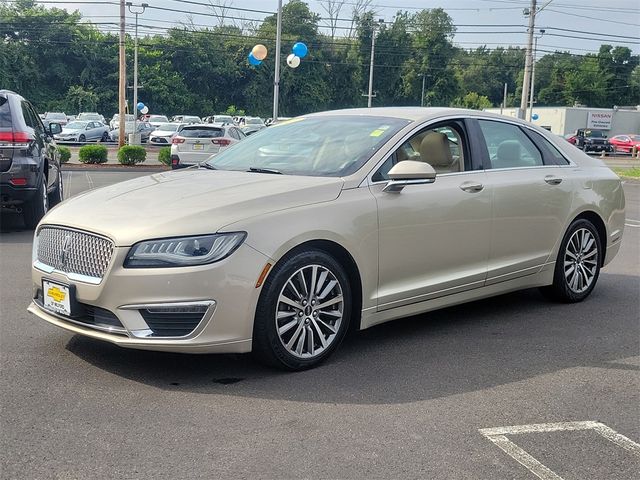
564	120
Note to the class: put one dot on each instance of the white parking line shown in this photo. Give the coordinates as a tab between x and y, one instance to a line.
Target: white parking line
89	181
497	435
630	222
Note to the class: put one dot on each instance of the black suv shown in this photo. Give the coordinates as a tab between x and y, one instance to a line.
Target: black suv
591	140
30	177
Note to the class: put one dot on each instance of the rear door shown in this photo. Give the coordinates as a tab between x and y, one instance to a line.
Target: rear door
532	194
6	134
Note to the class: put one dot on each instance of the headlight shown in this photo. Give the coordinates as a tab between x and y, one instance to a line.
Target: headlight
183	251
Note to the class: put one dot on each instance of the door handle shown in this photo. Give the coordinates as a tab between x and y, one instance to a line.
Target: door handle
553	180
471	187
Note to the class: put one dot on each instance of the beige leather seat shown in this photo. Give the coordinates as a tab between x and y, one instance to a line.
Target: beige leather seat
434	150
507	155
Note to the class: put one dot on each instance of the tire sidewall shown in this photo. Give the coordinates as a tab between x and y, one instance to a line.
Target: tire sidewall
560	280
266	337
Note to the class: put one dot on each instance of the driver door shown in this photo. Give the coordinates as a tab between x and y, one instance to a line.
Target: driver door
434	239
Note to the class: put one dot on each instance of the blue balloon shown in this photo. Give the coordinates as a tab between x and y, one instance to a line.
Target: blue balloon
300	49
534	116
140	106
253	60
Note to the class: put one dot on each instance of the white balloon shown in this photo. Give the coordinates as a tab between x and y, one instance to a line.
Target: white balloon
144	110
293	61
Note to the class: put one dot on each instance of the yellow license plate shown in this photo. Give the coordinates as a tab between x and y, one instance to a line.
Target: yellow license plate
198	146
57	298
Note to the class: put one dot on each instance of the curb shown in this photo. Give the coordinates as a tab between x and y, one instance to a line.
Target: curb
114	167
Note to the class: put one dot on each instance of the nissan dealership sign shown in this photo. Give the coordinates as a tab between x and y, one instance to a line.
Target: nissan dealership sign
601	120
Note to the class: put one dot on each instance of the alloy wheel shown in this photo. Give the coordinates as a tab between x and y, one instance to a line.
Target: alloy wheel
581	260
309	311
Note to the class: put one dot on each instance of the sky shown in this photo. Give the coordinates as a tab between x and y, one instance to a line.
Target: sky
616	22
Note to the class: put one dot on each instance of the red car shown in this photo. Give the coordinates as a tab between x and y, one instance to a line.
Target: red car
625	143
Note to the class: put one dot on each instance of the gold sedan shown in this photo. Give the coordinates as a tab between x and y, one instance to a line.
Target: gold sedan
322	223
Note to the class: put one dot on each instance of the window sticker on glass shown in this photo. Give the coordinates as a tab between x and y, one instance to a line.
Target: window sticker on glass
379	131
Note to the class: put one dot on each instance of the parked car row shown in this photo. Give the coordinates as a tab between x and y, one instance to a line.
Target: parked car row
594	140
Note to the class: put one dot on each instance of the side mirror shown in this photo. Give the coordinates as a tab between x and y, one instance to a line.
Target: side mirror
54	129
409	172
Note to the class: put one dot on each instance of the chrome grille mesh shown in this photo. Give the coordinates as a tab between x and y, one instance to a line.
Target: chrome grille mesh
74	252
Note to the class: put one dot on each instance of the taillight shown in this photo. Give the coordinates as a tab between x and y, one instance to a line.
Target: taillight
175	160
177	140
15	137
18	182
223	142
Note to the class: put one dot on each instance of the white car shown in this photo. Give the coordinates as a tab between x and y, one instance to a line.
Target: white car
163	134
157	120
115	121
196	143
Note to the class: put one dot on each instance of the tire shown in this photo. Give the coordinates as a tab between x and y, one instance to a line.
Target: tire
105	137
581	250
57	195
296	334
37	206
82	139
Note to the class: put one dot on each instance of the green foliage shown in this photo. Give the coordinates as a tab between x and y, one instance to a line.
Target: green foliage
204	71
473	100
93	154
131	154
64	154
233	111
164	155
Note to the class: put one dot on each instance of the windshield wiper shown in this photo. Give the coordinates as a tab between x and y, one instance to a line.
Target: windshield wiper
207	166
264	170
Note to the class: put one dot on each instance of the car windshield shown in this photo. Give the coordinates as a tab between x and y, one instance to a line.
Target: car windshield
635	138
89	116
76	125
201	132
594	133
158	118
56	116
254	121
168	127
191	119
325	145
222	119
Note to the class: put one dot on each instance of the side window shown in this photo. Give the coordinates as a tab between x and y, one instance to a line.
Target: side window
508	146
36	119
27	115
232	132
442	146
552	155
240	134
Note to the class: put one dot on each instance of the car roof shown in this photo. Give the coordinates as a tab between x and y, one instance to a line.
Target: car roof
415	114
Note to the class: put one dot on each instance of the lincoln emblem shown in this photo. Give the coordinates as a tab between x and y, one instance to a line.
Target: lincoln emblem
65	248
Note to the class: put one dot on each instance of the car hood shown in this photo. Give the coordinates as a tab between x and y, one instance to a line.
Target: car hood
162	133
187	202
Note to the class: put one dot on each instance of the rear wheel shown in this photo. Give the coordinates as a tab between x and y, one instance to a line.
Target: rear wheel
105	137
35	209
58	194
303	312
578	263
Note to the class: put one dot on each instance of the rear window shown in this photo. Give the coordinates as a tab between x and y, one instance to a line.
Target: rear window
201	132
5	113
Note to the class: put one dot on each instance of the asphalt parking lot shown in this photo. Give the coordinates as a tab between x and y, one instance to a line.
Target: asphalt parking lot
506	388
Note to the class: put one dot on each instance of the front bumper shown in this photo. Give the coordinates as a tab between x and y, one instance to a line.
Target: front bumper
226	327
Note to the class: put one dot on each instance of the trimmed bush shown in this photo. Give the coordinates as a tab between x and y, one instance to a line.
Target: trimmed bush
93	154
131	154
64	154
164	155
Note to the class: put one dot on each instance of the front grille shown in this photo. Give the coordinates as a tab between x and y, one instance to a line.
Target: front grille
172	323
74	252
89	315
159	140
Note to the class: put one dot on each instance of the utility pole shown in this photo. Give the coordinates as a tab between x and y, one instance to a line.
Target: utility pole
131	7
528	61
373	54
422	95
504	98
123	76
533	72
276	76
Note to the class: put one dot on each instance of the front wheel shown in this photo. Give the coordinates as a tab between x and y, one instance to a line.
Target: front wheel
303	311
578	263
82	139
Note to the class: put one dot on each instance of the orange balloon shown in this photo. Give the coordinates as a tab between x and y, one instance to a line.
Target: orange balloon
259	52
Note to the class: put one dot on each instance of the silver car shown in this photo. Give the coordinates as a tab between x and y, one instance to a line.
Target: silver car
252	125
83	131
163	134
279	250
114	124
142	128
196	143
